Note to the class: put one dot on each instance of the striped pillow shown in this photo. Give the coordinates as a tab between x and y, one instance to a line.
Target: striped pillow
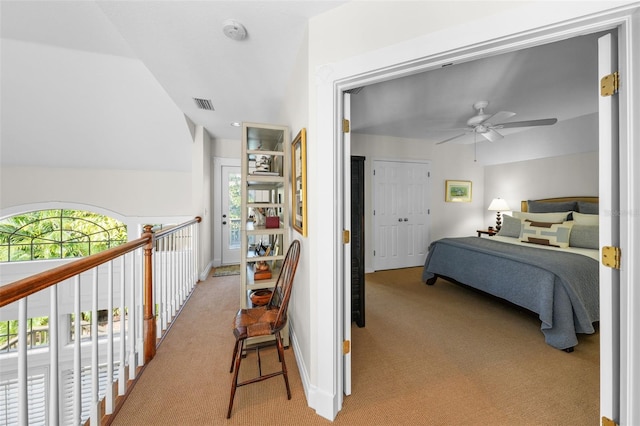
546	233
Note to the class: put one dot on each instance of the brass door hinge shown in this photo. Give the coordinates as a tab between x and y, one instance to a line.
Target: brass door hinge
346	347
611	256
609	84
608	422
345	125
346	236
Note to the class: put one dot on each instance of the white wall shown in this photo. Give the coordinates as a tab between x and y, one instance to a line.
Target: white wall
227	148
134	193
561	176
447	162
302	309
201	199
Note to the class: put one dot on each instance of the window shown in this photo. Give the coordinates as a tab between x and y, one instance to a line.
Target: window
58	234
103	323
37	334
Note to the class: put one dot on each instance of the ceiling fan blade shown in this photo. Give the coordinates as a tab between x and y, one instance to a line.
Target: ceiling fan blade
530	123
492	135
450	139
499	117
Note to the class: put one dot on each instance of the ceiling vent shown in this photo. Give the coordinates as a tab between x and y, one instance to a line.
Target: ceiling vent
204	104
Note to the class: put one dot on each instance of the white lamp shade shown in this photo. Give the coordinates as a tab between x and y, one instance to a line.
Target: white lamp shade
499	205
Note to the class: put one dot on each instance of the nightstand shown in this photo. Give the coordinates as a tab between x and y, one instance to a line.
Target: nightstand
488	232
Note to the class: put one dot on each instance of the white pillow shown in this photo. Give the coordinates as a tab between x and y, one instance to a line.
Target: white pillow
586	219
542	217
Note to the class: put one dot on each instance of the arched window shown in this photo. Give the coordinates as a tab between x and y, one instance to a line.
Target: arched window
58	234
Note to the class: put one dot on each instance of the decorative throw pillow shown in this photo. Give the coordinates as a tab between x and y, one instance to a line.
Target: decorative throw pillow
585	236
588	208
546	233
586	219
542	217
510	227
549	207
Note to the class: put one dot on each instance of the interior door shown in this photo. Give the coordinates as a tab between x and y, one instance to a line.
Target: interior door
401	214
357	241
609	236
346	269
230	219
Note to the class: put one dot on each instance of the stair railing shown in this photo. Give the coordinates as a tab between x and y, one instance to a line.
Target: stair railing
87	375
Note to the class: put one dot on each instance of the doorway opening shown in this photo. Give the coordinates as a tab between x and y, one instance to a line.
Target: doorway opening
358	82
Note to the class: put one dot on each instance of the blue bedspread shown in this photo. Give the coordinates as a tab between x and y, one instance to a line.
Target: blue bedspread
562	288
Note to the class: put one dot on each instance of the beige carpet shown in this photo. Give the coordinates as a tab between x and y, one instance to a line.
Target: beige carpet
436	355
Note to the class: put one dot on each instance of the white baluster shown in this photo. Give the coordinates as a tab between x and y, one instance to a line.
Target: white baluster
23	396
122	353
95	374
54	348
77	355
140	309
109	400
132	318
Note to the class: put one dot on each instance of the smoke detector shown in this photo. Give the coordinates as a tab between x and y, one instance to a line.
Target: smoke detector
234	30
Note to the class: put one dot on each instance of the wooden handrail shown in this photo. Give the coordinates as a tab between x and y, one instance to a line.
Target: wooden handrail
17	290
164	232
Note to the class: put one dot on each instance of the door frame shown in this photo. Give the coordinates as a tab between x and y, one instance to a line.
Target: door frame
216	209
437	50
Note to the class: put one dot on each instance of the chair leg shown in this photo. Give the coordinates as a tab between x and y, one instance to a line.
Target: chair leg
234	383
233	358
284	364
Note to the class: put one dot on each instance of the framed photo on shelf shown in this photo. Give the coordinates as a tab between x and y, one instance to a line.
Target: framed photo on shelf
299	182
457	191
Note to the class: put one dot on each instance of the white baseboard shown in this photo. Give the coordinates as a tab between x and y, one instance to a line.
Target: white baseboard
205	273
325	404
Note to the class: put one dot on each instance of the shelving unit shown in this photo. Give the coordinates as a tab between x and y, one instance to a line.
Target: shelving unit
265	207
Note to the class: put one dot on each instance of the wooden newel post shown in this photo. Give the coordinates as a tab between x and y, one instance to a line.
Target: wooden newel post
149	307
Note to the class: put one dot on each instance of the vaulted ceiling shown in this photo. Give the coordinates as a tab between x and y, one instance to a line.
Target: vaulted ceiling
62	83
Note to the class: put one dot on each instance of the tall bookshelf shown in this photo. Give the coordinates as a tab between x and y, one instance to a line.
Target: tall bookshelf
265	208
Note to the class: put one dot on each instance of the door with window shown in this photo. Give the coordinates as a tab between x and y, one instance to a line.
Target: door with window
401	214
230	215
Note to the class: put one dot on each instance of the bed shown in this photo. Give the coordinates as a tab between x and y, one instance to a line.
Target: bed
543	259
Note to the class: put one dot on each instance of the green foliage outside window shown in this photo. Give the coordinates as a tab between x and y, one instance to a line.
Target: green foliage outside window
37	333
58	234
52	234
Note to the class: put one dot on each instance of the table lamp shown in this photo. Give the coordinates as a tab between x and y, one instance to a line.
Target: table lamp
498	205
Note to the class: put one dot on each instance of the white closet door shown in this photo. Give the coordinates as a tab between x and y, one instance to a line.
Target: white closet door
401	213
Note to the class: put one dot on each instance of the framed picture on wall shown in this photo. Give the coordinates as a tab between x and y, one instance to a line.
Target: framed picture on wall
457	191
299	182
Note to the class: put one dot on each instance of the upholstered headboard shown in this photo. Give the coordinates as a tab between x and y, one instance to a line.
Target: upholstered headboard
524	205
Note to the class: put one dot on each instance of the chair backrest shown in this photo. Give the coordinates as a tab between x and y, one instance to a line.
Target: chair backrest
282	290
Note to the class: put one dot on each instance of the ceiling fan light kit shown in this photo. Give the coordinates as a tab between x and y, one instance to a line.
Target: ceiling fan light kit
486	124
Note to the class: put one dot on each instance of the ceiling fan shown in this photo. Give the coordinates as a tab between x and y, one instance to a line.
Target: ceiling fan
487	124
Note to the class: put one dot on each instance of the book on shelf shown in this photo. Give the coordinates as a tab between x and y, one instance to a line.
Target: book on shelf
264	173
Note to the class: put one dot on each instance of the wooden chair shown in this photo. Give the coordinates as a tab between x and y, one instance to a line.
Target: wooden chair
263	321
